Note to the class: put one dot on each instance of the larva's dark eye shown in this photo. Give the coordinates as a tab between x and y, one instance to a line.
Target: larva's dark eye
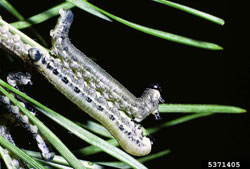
34	54
155	86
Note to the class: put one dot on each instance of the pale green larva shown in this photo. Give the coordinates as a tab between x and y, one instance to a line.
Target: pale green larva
98	79
129	134
92	89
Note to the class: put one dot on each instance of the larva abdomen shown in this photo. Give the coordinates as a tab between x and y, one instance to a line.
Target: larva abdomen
62	47
125	131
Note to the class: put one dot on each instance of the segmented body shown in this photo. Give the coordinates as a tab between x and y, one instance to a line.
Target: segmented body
128	133
5	133
94	90
97	78
24	79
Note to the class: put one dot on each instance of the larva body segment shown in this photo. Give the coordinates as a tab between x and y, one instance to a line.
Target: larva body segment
90	87
99	79
24	121
15	162
129	134
12	43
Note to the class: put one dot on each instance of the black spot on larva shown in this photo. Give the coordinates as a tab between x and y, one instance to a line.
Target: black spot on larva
100	108
76	89
137	141
65	80
49	66
111	117
65	48
55	72
129	133
62	37
43	61
88	99
121	127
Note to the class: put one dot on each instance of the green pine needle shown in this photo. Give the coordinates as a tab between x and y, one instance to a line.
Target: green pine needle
193	11
52	138
154	32
77	130
22	155
199	108
41	17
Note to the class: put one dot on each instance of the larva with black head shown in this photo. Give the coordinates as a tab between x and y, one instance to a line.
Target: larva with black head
100	95
137	108
129	135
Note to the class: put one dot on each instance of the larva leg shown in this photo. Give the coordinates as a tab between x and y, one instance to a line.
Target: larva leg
99	79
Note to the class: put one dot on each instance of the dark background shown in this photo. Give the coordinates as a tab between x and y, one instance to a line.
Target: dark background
186	74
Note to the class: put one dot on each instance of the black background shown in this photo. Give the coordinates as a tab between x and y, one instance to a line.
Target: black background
186	74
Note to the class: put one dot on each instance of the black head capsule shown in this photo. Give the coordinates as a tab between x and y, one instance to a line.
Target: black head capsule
155	86
34	54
